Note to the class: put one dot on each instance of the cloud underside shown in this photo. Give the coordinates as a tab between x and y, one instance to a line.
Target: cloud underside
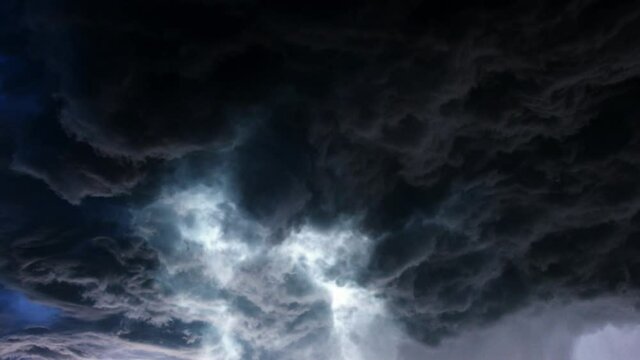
489	158
82	345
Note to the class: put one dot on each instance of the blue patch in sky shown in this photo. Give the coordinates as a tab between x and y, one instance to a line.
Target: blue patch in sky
17	106
17	311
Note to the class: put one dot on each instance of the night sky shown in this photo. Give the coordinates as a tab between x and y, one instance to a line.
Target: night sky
319	180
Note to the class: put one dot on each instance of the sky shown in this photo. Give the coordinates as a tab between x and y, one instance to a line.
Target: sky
319	180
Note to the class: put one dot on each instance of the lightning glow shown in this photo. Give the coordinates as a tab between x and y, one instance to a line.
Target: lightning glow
240	263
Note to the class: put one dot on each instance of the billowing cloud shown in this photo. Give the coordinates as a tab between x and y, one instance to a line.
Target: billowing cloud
38	344
264	180
298	299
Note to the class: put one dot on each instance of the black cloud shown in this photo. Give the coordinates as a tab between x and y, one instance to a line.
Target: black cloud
490	150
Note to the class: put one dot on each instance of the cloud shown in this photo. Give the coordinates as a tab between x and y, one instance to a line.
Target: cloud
420	102
549	332
101	285
136	93
296	299
73	170
610	341
82	345
488	153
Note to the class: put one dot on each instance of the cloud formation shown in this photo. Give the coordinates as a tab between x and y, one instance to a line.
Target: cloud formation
37	345
487	153
298	299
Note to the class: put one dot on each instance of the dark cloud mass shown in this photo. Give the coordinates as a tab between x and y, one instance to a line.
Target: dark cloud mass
316	179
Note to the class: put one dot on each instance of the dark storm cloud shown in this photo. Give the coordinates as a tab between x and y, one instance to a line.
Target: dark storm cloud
490	149
70	168
37	145
137	86
271	172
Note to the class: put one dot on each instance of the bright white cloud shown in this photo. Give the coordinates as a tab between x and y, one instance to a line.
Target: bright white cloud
213	225
332	258
298	299
610	343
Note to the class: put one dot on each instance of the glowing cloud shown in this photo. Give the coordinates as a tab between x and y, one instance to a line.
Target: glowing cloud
297	299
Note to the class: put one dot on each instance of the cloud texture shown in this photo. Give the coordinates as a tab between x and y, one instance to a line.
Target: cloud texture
168	172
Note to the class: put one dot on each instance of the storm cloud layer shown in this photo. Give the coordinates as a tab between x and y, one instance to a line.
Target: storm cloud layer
317	180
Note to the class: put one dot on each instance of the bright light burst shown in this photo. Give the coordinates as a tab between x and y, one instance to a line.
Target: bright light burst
239	261
332	258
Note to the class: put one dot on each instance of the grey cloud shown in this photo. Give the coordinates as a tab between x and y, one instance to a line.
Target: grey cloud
535	333
75	171
110	277
82	345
